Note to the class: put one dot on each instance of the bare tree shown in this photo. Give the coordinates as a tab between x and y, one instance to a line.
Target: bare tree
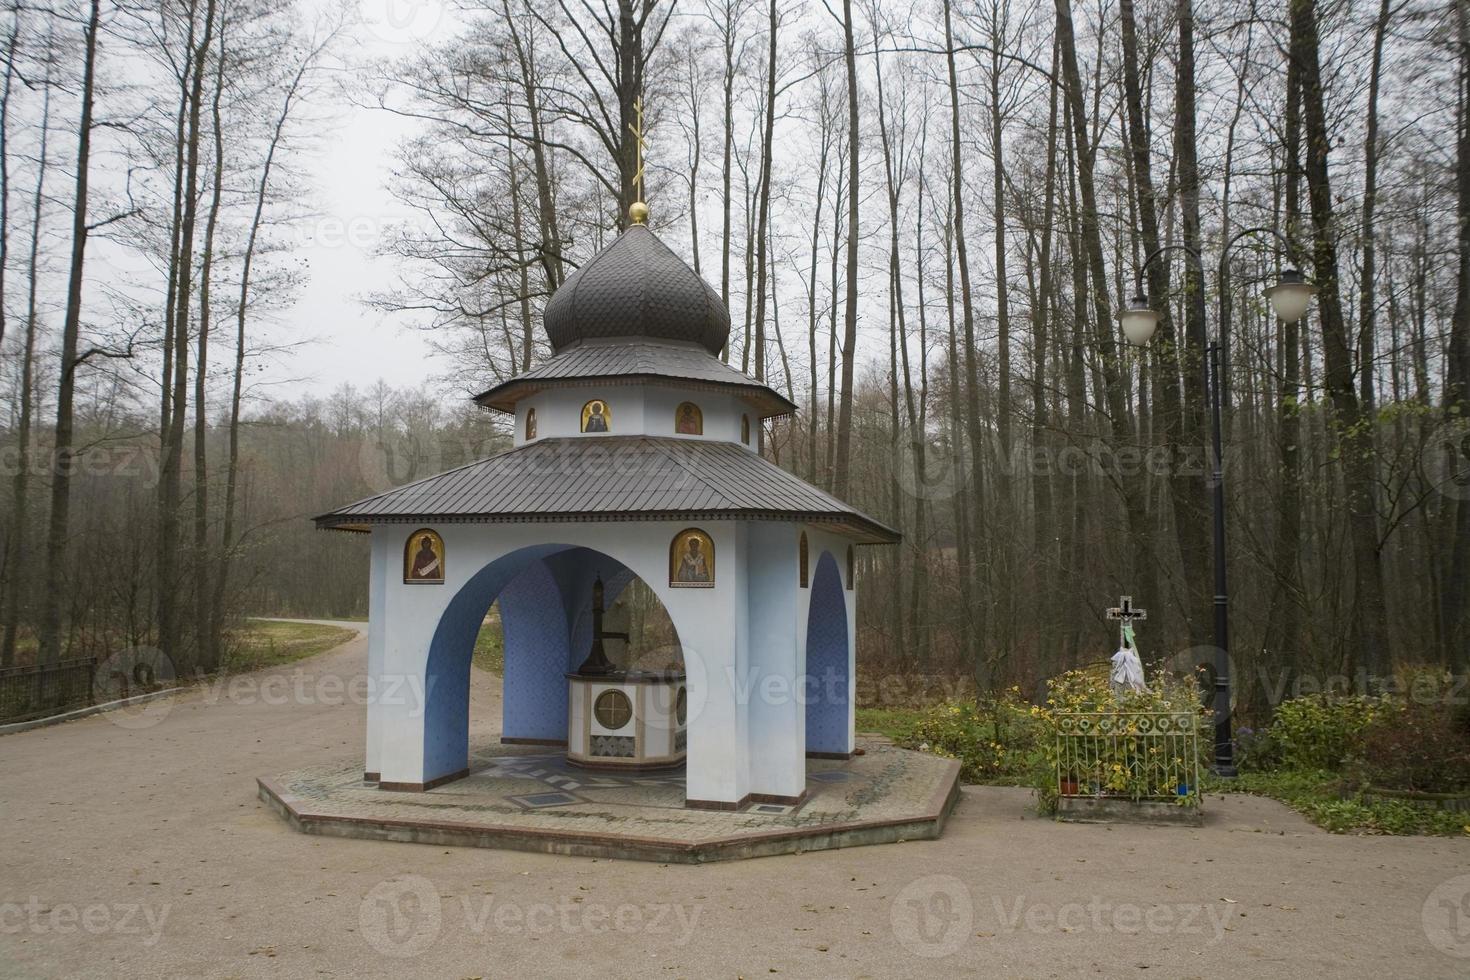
1373	649
59	525
841	474
21	487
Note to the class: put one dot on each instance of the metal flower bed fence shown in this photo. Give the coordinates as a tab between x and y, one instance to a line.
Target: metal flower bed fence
1138	755
37	690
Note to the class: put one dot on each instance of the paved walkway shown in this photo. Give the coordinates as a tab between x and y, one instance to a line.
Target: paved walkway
135	846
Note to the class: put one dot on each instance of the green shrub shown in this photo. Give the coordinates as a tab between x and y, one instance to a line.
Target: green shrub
1320	750
1324	800
1421	747
1319	731
995	740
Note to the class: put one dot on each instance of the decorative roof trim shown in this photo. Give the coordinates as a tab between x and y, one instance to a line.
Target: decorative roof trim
504	396
868	532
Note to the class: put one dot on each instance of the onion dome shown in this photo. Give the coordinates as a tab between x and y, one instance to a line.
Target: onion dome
636	288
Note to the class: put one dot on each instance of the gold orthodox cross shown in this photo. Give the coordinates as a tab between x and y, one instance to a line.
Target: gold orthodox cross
638	210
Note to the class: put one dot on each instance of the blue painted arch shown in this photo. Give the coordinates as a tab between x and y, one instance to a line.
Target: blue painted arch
545	595
829	679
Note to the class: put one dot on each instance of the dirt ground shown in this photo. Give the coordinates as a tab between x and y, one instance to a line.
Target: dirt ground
135	846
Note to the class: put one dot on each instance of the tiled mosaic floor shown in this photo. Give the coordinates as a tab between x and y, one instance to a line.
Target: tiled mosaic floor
517	795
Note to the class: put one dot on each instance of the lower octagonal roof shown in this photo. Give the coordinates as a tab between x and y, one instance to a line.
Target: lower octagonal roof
612	478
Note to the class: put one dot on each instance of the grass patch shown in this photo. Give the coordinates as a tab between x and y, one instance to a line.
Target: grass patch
490	645
266	643
1319	796
898	724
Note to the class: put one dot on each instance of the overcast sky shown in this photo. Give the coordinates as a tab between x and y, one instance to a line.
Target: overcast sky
352	343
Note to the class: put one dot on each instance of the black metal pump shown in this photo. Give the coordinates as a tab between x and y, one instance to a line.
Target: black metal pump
597	664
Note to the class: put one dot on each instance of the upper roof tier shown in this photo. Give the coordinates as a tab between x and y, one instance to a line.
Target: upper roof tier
636	287
636	362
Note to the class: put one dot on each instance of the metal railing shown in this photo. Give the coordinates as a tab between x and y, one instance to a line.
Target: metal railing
37	690
1139	755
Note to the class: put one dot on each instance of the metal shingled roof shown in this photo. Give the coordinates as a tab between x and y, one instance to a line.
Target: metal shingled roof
602	478
636	287
635	362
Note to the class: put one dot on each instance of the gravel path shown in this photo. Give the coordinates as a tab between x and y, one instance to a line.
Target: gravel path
135	846
346	624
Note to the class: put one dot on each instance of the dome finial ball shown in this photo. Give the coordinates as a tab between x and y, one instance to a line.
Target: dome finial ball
638	213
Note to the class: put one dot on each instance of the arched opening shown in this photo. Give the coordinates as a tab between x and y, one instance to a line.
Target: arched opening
653	643
828	666
534	605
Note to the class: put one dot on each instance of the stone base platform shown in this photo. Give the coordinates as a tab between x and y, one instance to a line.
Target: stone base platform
524	798
1088	809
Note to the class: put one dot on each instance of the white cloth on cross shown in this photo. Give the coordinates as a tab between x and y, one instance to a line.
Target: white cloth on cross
1127	674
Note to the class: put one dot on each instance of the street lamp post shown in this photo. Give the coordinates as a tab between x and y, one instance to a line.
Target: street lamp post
1289	298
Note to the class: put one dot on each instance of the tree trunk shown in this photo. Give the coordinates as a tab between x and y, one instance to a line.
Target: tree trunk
60	522
1353	428
838	219
1136	529
550	249
897	338
247	261
166	386
10	48
1002	285
1044	546
1282	641
1172	433
813	413
964	623
1002	548
1079	424
729	28
170	633
1195	369
209	654
1366	298
764	205
849	336
696	155
919	437
20	506
978	619
1456	578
